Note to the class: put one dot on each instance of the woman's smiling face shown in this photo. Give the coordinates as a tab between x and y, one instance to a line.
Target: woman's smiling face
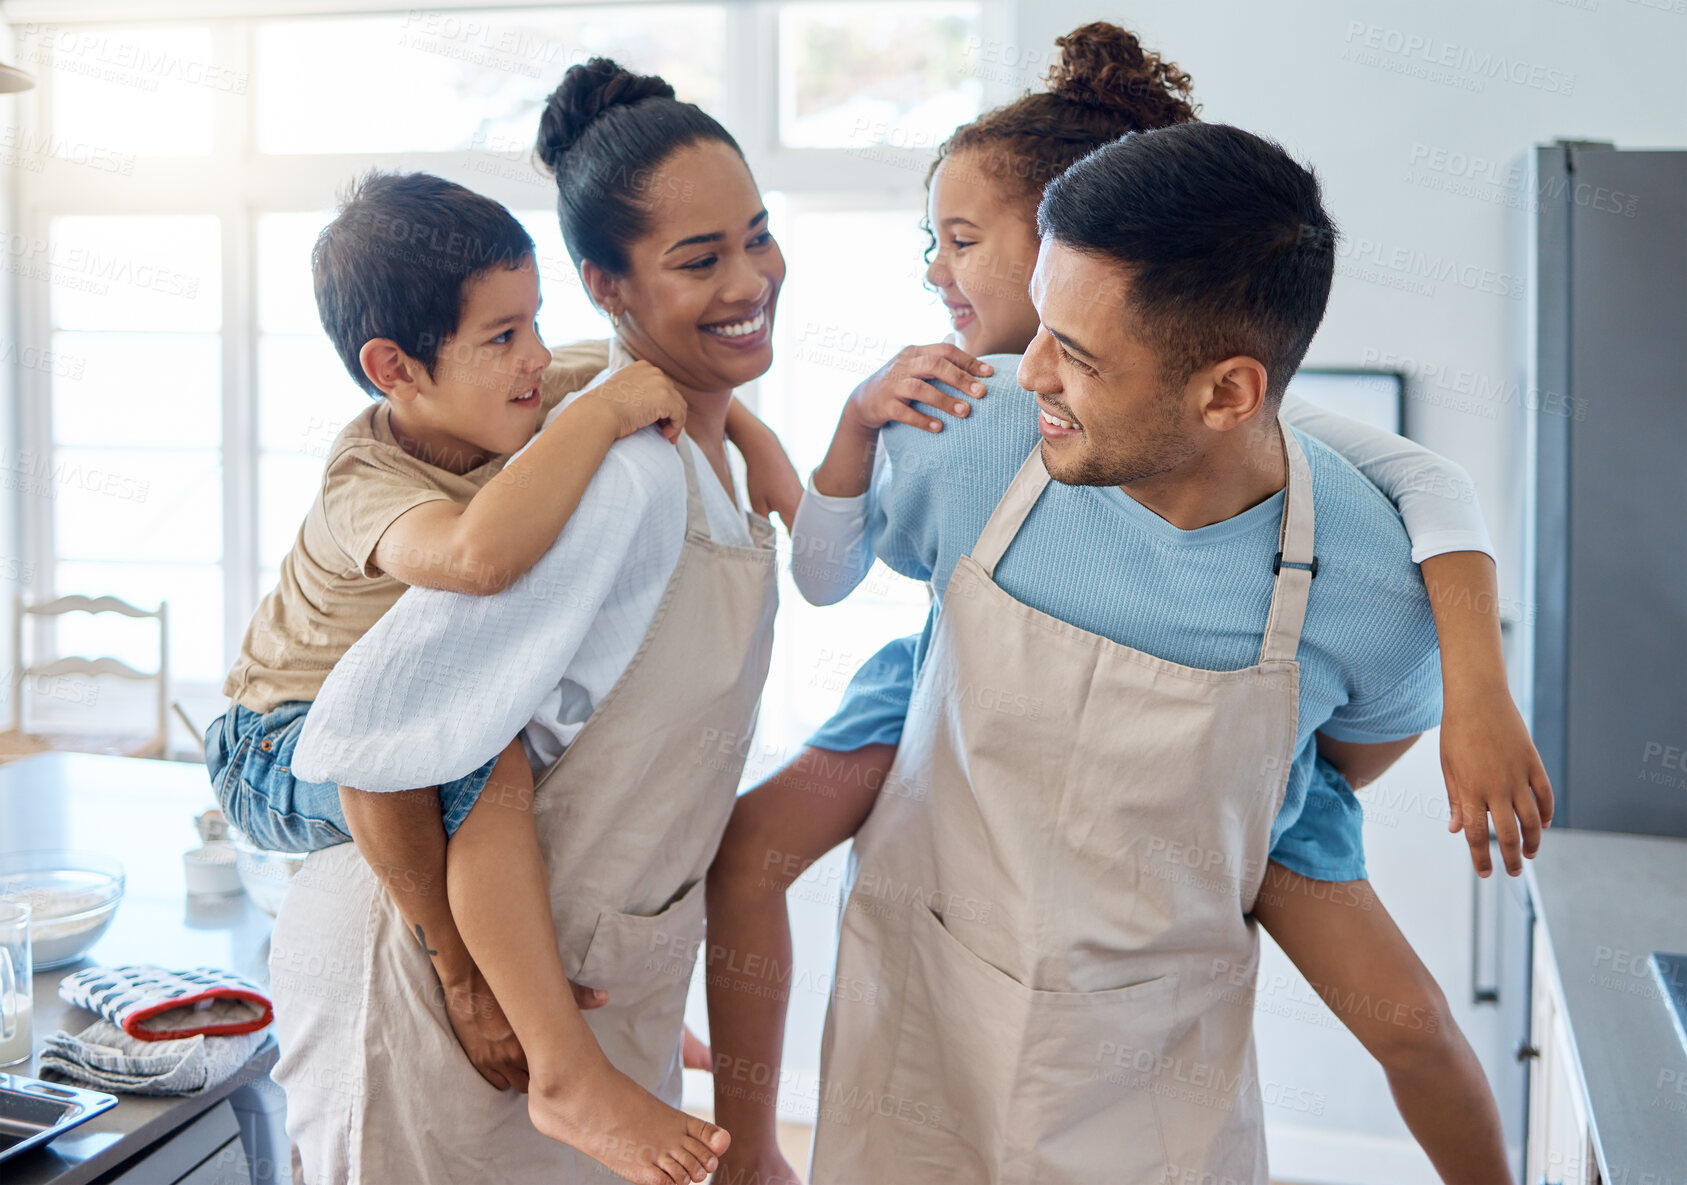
702	281
986	250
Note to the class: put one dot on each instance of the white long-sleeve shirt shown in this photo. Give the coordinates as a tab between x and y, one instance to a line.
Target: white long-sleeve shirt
444	680
830	552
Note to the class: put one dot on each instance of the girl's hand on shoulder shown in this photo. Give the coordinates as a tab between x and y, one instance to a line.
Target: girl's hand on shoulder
1492	768
891	392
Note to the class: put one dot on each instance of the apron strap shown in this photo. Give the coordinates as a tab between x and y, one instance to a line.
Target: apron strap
1022	494
1296	563
696	517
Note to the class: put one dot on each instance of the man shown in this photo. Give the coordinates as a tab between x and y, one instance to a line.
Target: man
1046	965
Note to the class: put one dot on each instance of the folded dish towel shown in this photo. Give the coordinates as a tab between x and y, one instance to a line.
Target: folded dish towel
153	1004
104	1057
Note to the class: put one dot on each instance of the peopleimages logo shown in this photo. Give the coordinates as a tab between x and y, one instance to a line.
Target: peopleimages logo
1435	60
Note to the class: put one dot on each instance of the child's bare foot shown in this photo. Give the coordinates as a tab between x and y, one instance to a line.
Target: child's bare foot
614	1120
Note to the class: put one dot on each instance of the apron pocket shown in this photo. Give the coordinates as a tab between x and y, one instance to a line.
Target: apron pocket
630	951
1002	1083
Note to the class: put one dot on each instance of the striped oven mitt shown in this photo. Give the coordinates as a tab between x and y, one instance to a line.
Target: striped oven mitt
153	1004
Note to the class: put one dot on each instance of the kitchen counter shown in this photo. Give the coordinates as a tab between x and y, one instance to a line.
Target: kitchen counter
1604	902
140	813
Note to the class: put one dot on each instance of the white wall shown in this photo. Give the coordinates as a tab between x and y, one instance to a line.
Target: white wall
1417	161
1377	138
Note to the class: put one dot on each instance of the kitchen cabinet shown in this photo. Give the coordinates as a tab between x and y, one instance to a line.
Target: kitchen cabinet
1607	1067
1560	1145
206	1151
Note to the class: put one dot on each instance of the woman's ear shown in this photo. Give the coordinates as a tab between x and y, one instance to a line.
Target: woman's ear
603	288
389	368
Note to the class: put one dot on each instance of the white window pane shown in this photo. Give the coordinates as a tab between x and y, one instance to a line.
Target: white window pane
138	506
194	594
286	295
134	272
305	395
855	75
137	390
287	486
431	81
140	92
853	299
567	314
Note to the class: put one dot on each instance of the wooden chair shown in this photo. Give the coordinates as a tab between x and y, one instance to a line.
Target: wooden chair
18	743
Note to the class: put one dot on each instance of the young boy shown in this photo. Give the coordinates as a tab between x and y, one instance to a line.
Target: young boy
429	293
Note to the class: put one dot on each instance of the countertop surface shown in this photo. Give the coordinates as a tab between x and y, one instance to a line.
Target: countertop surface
1607	902
140	813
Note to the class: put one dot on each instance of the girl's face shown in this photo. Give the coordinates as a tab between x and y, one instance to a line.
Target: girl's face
986	250
702	282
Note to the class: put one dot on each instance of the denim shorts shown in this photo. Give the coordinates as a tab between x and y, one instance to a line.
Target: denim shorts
249	756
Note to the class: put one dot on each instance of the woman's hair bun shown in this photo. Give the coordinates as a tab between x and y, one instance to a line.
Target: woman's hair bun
1103	65
586	92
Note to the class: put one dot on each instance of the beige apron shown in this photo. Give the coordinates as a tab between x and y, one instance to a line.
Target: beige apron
629	817
1045	967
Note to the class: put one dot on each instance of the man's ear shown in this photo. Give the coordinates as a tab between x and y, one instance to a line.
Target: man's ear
1235	392
603	288
391	370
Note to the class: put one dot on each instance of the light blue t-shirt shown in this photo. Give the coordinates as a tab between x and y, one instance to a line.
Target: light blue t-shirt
1095	557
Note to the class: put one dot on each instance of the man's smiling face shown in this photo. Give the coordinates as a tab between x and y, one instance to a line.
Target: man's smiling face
1107	412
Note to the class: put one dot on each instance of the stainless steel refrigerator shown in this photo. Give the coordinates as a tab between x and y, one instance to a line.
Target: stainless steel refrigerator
1609	460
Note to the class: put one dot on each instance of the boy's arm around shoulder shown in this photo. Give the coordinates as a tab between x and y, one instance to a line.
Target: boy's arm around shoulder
443	681
484	546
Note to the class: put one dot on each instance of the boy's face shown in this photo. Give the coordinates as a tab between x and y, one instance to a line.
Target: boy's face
483	396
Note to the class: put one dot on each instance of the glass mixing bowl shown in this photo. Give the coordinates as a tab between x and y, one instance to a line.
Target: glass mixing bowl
73	897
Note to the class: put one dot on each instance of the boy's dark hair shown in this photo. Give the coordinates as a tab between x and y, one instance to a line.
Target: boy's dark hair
1225	239
397	257
603	137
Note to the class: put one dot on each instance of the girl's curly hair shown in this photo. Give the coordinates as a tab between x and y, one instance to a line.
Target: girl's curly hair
1102	86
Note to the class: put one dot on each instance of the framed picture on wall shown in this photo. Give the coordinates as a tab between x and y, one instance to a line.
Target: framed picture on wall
1374	397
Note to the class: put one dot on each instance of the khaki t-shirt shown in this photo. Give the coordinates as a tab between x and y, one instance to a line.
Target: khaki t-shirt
329	592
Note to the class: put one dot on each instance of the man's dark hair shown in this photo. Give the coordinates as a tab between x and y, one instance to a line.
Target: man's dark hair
395	261
1226	243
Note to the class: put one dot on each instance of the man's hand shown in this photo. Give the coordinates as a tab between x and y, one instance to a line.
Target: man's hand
637	396
1493	768
485	1033
694	1052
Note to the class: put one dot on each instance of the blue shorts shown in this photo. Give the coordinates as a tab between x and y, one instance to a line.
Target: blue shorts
875	705
249	756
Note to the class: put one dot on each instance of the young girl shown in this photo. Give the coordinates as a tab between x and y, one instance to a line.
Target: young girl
984	190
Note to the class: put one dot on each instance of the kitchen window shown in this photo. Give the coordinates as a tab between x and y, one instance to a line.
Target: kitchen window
183	170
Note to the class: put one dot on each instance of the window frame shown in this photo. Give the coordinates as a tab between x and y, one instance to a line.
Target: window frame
237	184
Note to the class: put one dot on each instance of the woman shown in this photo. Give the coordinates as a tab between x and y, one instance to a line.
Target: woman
984	189
646	627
